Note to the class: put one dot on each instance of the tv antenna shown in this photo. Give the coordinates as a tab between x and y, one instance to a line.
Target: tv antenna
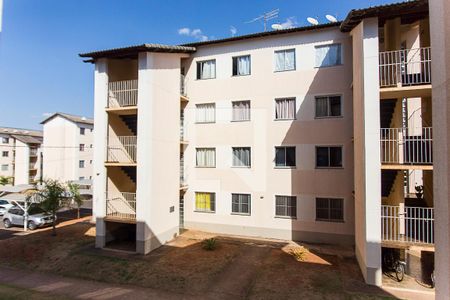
331	18
312	21
266	17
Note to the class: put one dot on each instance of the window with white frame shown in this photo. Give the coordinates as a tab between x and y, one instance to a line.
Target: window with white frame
241	65
285	60
329	157
206	69
330	209
5	167
205	113
328	55
5	140
205	202
284	156
285	109
5	154
242	157
286	206
241	111
328	106
240	204
206	157
81	164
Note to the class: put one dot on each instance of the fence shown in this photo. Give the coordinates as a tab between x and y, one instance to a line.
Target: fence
122	149
122	93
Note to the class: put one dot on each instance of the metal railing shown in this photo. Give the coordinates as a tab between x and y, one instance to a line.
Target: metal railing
122	149
405	67
122	93
121	205
182	175
32	166
183	85
182	129
407	145
33	152
407	224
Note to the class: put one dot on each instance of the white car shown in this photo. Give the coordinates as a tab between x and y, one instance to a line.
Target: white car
4	206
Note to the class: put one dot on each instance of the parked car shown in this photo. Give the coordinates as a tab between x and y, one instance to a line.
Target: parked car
4	206
36	217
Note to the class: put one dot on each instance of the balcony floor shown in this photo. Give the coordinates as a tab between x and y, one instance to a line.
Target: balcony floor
405	91
406	167
126	110
120	164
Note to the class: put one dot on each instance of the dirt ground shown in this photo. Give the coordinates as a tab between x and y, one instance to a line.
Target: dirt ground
238	268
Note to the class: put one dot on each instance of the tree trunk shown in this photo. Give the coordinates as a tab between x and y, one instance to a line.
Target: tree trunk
78	214
54	223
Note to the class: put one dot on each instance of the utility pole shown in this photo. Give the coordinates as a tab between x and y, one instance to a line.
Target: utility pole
41	177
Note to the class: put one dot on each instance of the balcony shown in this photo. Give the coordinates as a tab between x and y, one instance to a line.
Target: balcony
33	151
122	149
122	94
407	146
408	225
121	205
183	85
32	166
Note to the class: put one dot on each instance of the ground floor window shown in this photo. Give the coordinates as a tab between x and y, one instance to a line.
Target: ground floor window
205	202
240	203
286	206
330	209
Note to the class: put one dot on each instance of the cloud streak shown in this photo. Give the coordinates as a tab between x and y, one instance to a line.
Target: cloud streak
233	30
290	22
195	33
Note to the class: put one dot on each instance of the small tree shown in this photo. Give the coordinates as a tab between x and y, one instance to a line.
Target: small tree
52	198
4	180
74	190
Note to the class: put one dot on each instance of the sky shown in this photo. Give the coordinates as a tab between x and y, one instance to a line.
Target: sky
41	73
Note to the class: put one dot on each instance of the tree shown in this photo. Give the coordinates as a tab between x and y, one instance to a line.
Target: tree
52	198
74	190
4	180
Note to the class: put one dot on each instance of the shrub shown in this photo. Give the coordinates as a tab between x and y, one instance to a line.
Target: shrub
209	244
299	253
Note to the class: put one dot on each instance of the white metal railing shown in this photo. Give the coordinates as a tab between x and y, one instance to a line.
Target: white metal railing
182	129
121	205
407	224
182	175
406	145
405	67
122	93
122	149
33	152
32	166
183	85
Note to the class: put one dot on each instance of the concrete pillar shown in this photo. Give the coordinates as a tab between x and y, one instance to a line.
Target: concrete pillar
440	64
366	115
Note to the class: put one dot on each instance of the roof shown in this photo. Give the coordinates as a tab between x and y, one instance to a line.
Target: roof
131	51
264	34
73	118
383	12
28	139
20	188
20	131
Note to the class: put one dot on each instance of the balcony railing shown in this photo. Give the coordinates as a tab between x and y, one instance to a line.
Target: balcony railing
32	166
182	130
121	205
407	145
407	224
122	93
122	149
33	152
183	85
405	67
182	175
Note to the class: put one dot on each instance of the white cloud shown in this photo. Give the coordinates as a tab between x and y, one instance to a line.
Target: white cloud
46	114
184	31
289	23
233	30
195	33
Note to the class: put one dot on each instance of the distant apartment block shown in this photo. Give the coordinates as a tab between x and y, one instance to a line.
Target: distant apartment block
20	155
67	147
319	134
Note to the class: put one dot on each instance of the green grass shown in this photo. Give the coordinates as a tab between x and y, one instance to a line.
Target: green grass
9	292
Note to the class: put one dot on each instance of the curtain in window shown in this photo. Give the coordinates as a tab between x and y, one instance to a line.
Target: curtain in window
241	157
206	157
243	65
206	113
321	107
285	60
285	109
286	206
204	202
208	69
279	61
328	55
289	60
241	111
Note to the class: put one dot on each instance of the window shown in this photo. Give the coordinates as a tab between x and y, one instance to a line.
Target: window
241	111
81	147
206	113
81	178
285	109
82	131
329	209
328	106
285	60
206	157
285	156
241	65
91	145
81	164
329	157
242	157
286	206
5	153
205	202
206	69
4	167
240	204
328	55
5	140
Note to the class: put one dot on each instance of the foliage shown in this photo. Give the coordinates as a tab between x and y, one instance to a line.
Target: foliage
209	244
52	198
74	190
4	180
299	253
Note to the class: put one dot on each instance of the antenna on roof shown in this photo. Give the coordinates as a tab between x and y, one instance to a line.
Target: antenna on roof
312	21
331	18
266	17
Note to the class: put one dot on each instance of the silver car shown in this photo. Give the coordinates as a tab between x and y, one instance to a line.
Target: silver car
36	217
4	206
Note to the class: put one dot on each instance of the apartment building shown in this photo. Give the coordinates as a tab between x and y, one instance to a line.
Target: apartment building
68	147
319	134
20	158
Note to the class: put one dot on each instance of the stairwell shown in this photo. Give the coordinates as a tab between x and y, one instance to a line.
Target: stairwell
131	122
130	172
387	181
387	108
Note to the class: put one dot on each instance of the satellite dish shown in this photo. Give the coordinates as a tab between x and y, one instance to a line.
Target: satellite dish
312	21
277	26
331	18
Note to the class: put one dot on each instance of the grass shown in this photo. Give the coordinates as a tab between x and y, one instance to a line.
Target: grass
8	292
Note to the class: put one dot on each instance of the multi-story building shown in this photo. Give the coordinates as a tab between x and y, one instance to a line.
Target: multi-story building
20	155
67	147
319	134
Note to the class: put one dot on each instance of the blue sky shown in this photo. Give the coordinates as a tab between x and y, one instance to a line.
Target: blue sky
40	71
